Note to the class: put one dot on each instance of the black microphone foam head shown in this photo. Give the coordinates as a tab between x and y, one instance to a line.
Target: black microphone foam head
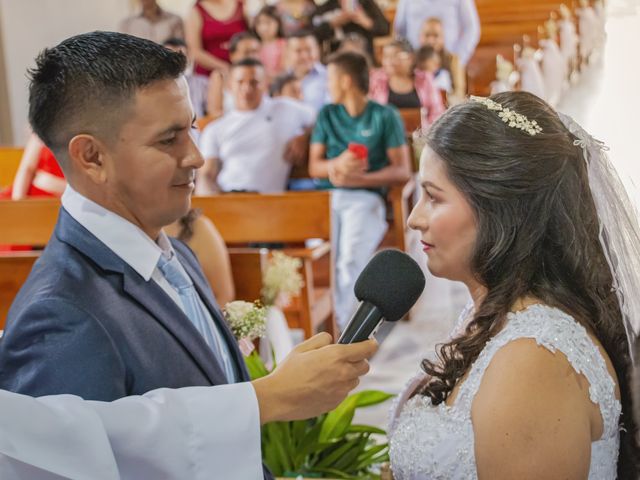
392	281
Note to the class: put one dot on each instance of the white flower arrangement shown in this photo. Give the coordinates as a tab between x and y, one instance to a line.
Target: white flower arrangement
508	116
247	320
281	277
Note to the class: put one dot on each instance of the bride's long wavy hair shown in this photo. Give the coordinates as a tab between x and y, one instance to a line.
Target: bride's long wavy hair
537	235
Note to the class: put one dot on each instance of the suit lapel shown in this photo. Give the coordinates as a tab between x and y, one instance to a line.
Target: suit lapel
148	294
151	296
205	293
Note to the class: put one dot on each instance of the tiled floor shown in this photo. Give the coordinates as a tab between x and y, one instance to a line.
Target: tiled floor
606	101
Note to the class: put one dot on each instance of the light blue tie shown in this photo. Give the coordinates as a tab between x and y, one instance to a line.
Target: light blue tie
195	310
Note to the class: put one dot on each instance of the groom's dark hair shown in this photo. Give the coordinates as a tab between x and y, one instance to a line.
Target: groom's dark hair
538	235
87	82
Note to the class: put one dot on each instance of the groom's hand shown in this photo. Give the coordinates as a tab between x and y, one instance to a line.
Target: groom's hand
314	378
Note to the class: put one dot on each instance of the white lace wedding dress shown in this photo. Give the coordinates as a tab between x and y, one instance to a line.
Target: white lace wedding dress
436	442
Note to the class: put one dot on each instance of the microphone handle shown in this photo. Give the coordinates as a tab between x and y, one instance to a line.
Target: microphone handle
362	324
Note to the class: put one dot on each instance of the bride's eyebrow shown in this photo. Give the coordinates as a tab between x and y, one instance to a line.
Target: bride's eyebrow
427	183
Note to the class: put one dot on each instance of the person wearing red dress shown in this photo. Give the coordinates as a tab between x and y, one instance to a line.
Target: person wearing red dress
209	26
38	175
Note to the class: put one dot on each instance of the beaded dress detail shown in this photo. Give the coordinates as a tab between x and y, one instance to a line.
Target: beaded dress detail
436	442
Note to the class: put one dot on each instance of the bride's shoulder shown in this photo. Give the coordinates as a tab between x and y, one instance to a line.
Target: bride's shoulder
530	406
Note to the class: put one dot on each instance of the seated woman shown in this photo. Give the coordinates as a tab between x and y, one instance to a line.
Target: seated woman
399	83
202	236
209	27
38	175
432	35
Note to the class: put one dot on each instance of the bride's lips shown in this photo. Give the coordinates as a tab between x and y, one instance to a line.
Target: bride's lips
426	247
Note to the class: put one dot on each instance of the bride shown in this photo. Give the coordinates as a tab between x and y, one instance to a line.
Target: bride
521	205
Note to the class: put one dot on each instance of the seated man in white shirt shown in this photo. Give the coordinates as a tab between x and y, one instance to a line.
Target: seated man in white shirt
246	149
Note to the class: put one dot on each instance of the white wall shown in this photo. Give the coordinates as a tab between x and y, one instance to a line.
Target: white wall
28	26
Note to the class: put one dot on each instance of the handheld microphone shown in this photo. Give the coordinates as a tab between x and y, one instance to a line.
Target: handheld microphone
387	288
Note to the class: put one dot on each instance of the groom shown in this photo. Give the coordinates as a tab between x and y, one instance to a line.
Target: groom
113	307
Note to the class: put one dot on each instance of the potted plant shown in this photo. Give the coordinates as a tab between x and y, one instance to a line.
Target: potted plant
327	446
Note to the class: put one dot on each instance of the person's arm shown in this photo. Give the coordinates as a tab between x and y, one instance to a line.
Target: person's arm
469	31
375	20
322	28
27	168
193	28
400	26
458	76
206	176
190	433
209	247
398	171
193	432
215	94
531	416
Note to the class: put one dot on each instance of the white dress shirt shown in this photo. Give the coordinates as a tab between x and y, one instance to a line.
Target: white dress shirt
251	144
460	23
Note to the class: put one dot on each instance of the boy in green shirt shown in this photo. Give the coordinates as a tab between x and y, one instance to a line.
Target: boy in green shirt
358	207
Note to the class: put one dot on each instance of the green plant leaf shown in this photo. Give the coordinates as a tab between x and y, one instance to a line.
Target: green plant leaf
342	449
255	366
347	463
339	419
298	430
372	456
279	437
309	443
366	429
366	398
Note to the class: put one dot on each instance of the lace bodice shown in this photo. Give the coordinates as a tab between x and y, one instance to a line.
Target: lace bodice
437	442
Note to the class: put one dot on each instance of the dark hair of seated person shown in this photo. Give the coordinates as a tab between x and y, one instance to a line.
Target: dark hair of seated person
426	52
174	42
304	33
186	224
73	81
247	62
280	82
353	64
240	36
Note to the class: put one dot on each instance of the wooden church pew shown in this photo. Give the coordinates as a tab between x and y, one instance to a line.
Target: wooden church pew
241	218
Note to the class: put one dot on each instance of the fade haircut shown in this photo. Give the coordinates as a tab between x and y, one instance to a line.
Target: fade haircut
355	65
83	84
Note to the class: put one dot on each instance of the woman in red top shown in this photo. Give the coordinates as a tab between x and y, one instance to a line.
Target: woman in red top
209	27
38	175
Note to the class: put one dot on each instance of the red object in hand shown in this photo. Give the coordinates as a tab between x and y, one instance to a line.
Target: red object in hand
360	150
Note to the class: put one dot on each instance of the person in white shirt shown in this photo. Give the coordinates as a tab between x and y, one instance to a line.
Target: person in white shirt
246	149
114	308
459	19
153	23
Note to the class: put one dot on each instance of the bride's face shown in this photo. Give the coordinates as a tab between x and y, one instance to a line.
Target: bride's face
445	221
